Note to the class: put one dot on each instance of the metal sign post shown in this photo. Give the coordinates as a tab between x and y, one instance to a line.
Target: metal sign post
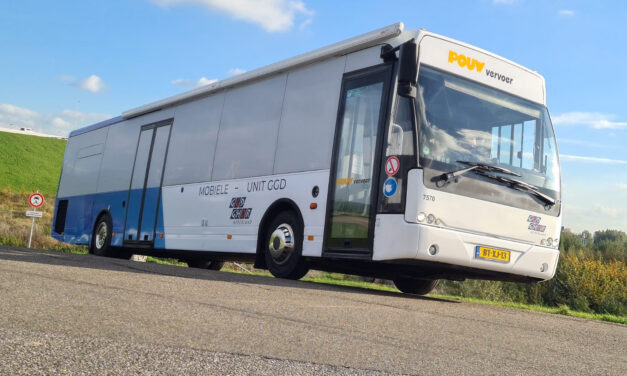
35	200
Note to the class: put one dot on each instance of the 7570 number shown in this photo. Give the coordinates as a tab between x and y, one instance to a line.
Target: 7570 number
428	197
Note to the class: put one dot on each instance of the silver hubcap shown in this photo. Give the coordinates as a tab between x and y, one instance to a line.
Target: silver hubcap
281	243
101	235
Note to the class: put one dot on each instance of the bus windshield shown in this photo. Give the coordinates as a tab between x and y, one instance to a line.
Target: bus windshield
464	121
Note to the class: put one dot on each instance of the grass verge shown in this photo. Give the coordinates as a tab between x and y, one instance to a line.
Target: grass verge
334	279
562	310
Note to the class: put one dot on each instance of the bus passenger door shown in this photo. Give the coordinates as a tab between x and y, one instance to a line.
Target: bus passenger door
355	165
145	190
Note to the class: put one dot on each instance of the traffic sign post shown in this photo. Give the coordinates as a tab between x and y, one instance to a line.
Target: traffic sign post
36	200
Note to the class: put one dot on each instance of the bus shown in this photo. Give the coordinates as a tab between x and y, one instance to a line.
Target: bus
397	154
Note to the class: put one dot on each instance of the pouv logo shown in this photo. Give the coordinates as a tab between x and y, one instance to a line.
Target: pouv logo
465	61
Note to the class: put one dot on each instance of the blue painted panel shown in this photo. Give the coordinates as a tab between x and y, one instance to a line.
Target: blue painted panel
160	229
149	214
82	212
132	217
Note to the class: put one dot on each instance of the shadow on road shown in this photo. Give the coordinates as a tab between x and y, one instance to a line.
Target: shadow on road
112	264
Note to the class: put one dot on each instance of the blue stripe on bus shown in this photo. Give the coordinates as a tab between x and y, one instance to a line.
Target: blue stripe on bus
82	212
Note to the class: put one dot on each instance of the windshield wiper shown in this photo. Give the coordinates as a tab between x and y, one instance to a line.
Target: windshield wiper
444	179
523	187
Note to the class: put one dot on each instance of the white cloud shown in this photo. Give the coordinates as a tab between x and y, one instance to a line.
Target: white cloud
61	123
235	71
193	84
579	158
590	119
566	12
607	210
622	186
584	143
92	83
271	15
304	24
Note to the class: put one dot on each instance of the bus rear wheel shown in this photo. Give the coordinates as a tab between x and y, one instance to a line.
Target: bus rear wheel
205	264
416	286
283	247
101	238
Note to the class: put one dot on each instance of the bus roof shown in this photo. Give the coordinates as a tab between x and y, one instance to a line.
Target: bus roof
340	48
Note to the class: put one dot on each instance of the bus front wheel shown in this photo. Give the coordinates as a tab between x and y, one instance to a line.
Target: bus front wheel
283	247
416	286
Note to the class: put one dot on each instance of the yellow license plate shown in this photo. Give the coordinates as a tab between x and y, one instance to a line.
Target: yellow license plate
492	254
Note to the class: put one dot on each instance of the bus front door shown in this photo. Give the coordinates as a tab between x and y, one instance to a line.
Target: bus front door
354	174
145	190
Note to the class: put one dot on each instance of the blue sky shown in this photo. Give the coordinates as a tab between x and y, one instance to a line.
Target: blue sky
66	64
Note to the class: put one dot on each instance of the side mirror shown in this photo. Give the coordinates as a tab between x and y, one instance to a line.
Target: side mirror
408	69
395	140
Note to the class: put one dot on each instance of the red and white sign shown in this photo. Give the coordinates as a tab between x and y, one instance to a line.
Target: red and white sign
392	165
36	200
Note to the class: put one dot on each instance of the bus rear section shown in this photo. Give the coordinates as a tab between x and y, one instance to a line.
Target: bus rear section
396	154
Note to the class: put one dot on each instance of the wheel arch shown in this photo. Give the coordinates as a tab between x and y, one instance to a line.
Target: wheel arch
278	206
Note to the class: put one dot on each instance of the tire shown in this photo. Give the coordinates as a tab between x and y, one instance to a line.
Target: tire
283	247
101	237
205	264
416	286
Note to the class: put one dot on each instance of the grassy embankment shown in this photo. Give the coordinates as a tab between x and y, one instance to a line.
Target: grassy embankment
29	164
585	285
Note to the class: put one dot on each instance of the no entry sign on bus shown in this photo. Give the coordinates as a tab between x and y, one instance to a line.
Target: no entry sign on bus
392	165
36	200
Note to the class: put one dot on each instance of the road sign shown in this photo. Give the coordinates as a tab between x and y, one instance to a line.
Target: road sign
392	165
36	200
34	213
389	187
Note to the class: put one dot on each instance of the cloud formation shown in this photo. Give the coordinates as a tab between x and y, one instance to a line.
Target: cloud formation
594	120
579	158
93	83
60	123
271	15
193	84
235	71
566	12
607	210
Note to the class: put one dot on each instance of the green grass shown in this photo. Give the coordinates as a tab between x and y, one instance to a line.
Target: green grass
30	163
165	261
336	279
562	310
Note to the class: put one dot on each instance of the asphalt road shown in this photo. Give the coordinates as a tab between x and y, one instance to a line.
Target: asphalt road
75	314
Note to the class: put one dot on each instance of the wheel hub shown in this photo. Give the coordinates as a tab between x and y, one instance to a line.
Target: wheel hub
281	243
101	235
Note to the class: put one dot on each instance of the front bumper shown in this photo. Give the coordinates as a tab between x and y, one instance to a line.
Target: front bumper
397	239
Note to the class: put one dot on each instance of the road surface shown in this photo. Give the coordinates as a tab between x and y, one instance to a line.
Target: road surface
80	314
